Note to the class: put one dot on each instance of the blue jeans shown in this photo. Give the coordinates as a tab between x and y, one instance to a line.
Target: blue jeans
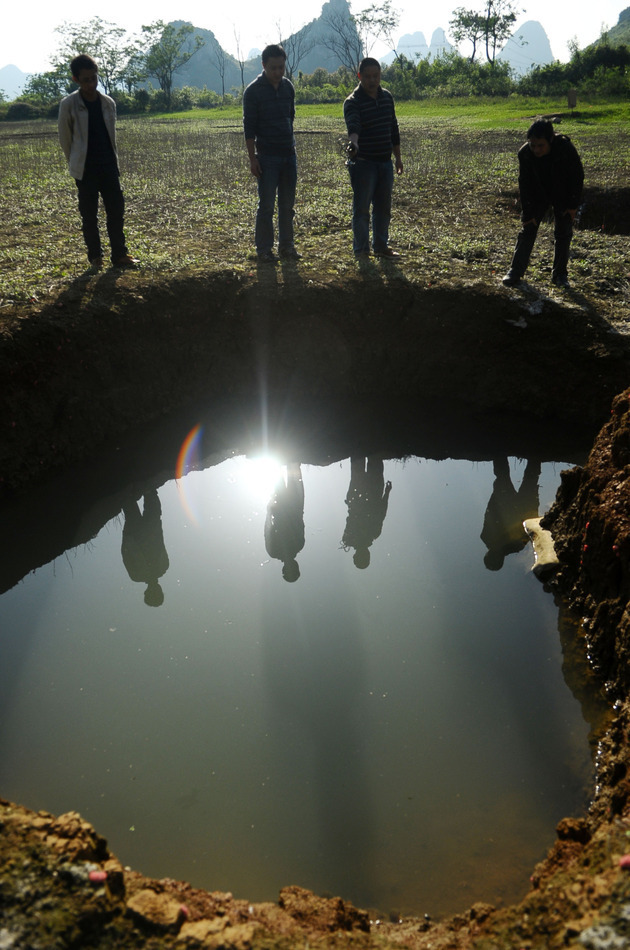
372	184
279	174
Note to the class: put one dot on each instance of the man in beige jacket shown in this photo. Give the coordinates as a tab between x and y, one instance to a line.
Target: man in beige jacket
87	135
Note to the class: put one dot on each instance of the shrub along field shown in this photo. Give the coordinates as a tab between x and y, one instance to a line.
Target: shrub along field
191	199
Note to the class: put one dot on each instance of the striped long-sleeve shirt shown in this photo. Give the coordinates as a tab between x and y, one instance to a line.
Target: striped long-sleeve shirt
374	121
268	116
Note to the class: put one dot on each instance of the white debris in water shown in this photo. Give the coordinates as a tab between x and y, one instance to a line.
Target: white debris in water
521	322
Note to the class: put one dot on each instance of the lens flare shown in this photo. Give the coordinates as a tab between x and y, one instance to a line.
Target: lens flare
188	461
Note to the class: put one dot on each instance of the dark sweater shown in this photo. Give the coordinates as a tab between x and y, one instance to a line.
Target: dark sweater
100	153
268	116
374	121
554	179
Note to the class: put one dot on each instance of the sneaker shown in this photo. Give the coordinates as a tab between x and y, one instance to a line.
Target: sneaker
126	261
561	281
511	279
266	257
290	254
386	252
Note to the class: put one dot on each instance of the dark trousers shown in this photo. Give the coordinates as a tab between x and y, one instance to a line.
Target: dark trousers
279	176
107	184
372	185
562	234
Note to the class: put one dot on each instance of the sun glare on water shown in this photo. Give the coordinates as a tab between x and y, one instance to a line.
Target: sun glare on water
259	477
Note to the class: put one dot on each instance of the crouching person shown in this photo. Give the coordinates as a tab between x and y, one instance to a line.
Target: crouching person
550	175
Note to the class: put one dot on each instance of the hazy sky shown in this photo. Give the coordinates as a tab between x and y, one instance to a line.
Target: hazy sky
27	36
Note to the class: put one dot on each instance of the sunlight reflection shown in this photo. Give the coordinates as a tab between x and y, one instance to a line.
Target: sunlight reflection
260	476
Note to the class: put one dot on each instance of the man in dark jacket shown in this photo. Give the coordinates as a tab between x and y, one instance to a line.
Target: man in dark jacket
268	114
550	173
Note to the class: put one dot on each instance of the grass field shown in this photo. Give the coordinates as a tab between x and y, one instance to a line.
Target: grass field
191	199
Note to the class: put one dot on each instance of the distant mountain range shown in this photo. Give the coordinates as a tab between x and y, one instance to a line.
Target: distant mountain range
527	47
12	81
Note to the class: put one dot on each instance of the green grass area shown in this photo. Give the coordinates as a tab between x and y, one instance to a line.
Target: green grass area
473	111
191	199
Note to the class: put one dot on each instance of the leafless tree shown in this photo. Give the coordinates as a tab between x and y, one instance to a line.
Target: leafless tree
341	37
220	60
296	46
240	58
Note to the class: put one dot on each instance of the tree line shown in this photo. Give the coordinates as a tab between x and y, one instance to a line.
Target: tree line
129	64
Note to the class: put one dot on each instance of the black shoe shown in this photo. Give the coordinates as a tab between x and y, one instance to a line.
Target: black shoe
290	254
561	281
266	257
511	279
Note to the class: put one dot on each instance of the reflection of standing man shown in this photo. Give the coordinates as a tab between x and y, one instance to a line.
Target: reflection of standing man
143	551
373	132
367	506
503	531
284	525
268	114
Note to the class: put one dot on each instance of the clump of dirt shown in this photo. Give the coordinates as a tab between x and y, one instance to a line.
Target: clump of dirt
60	887
590	522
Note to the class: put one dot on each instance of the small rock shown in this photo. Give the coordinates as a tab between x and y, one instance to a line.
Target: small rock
157	909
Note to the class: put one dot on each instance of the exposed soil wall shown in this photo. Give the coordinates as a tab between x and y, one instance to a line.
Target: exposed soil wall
590	522
75	375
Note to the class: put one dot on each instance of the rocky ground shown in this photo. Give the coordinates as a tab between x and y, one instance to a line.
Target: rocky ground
386	353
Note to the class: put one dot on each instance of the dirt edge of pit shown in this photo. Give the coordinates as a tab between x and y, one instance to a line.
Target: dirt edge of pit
88	368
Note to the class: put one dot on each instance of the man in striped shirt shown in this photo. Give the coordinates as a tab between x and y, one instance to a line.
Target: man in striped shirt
373	133
268	114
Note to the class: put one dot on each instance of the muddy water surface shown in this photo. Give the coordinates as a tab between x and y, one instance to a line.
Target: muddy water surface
342	676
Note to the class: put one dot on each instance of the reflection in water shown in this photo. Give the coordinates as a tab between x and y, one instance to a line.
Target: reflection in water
367	506
316	687
143	551
503	531
284	525
403	737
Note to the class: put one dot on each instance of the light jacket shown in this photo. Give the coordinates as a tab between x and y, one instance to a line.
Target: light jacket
73	129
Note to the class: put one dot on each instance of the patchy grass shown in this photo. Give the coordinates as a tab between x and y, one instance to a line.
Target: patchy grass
191	201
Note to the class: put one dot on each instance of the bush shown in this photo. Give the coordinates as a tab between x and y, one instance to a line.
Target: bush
141	98
183	100
158	101
209	99
20	110
612	83
125	104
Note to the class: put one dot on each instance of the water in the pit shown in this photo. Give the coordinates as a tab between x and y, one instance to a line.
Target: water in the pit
398	732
